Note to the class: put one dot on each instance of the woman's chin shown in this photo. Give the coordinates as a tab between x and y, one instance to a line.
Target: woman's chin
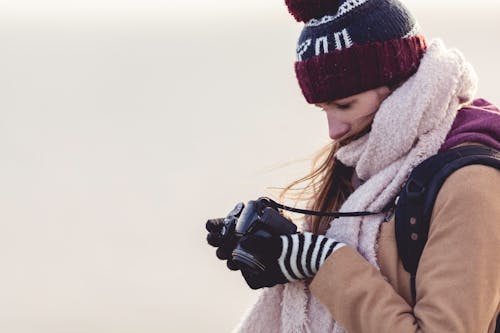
350	137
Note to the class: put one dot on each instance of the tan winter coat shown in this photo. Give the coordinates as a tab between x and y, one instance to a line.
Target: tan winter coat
458	279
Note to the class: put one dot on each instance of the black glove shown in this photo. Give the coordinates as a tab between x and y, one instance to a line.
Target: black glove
225	244
286	258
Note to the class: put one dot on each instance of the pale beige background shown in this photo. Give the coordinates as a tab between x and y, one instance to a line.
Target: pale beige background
124	125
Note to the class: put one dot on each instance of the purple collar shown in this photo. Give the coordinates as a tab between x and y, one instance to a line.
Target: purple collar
478	122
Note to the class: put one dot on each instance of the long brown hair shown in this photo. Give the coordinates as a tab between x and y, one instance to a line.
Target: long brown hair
328	184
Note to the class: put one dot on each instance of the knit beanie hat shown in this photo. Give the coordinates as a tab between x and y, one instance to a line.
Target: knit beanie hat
350	46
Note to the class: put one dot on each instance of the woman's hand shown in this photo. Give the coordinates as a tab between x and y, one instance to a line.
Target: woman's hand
286	258
225	244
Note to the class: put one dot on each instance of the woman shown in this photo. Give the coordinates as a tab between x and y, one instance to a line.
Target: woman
392	100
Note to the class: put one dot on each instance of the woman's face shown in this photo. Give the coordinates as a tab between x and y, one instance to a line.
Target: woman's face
354	114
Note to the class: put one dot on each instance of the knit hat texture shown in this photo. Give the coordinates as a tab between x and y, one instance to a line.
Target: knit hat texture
350	46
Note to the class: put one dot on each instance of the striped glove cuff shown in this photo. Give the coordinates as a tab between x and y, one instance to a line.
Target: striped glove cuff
303	253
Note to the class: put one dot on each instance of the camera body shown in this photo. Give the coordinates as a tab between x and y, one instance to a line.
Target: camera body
260	218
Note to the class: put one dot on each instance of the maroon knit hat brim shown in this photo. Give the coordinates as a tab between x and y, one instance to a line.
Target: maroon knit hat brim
342	73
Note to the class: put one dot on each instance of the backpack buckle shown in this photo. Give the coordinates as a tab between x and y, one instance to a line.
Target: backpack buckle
414	190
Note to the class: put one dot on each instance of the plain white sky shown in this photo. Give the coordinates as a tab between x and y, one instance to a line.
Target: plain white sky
65	6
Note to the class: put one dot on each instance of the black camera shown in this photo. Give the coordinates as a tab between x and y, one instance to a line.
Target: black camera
260	218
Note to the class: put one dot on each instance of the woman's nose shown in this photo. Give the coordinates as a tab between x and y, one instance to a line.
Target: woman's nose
337	128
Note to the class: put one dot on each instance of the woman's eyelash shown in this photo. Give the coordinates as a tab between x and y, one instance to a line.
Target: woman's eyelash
338	106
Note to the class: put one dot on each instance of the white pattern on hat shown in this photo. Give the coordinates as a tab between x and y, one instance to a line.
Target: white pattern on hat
302	48
346	7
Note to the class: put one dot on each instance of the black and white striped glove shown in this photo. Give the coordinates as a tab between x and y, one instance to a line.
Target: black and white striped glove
286	257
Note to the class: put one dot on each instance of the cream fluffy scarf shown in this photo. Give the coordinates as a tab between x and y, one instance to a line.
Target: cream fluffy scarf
410	126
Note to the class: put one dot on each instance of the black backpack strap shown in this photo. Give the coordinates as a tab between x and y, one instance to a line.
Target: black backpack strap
415	202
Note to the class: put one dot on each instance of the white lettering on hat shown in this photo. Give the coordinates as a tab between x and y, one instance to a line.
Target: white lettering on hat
342	40
302	48
322	41
346	39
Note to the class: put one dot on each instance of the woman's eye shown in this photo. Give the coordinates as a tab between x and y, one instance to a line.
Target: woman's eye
343	106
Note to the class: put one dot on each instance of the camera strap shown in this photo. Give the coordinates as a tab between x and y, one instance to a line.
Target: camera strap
316	213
